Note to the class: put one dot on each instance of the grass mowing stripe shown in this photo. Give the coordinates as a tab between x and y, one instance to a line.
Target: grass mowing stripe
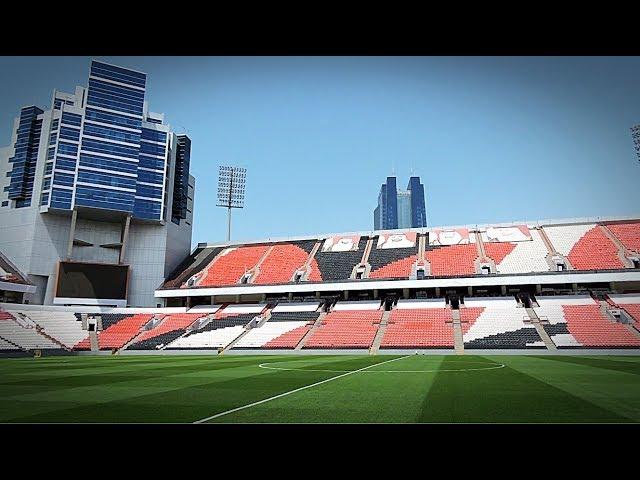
203	420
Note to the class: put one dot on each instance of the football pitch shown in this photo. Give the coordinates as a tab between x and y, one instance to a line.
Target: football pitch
320	389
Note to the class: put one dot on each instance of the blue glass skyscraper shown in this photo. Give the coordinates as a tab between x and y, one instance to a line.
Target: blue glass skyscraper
400	208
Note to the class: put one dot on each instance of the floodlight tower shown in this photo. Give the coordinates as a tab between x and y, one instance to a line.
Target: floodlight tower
231	182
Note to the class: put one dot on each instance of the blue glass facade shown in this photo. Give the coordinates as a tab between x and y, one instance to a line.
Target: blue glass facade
386	215
418	207
25	158
181	179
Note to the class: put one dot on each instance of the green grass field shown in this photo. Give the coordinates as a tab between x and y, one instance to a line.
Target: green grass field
358	389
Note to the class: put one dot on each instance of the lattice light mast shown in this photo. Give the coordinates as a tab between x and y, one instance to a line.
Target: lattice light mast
231	183
635	134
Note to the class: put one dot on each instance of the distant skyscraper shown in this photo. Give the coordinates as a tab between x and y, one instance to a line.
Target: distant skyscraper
400	208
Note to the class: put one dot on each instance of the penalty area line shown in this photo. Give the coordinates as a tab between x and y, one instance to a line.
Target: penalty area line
203	420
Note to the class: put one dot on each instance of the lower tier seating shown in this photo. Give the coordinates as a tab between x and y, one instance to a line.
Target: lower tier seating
288	339
281	331
346	329
63	326
27	337
218	333
177	322
498	327
591	328
6	346
119	334
419	328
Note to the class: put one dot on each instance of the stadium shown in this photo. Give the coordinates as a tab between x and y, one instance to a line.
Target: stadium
107	316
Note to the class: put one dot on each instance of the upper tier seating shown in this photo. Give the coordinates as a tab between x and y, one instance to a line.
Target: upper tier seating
628	234
27	337
346	329
526	256
175	322
219	332
279	324
419	328
191	265
334	266
499	324
119	334
283	261
229	266
452	259
392	262
63	326
586	246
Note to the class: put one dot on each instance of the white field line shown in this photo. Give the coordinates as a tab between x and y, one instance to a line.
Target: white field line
203	420
490	366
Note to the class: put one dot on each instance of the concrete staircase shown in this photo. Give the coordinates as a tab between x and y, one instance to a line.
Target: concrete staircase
535	321
93	340
382	328
458	339
317	324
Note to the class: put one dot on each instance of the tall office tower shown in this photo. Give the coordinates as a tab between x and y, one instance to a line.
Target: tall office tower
99	197
400	208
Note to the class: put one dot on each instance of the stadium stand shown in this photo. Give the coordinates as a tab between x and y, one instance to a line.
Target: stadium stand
193	264
63	326
347	327
24	334
577	321
452	259
586	246
279	325
392	262
419	324
499	324
283	261
525	257
218	333
7	347
630	303
628	234
120	333
171	327
228	267
335	266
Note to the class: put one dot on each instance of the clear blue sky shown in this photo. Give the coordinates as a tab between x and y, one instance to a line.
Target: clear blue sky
493	139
